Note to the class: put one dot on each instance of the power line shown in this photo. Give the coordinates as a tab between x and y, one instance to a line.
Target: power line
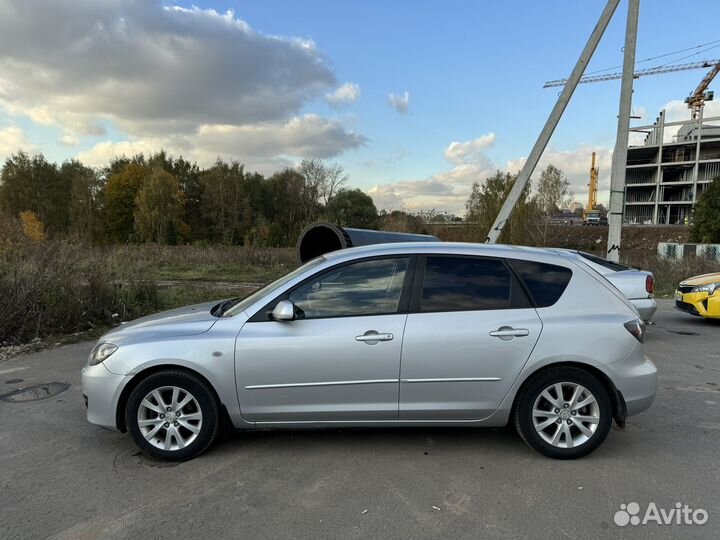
663	56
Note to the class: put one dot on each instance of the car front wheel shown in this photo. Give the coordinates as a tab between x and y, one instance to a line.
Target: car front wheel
172	415
564	413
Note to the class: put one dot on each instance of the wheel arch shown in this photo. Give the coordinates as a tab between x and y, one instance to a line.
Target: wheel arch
616	397
144	374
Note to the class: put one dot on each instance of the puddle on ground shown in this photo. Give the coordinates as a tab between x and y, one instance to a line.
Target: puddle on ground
14	381
683	332
35	393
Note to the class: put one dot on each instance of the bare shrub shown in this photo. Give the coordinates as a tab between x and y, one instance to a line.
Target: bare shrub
63	287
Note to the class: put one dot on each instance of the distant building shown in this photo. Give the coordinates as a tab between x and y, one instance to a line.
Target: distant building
575	205
666	176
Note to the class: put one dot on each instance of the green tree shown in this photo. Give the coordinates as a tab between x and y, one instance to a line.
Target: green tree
352	208
159	208
224	204
121	192
553	191
705	226
551	195
290	207
85	199
484	204
34	184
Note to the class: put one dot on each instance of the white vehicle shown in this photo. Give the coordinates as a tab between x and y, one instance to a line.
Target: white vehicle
637	285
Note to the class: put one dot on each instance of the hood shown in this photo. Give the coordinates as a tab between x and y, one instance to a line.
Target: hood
702	280
184	321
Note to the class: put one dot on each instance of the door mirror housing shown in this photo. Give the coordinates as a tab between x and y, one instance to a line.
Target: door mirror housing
284	311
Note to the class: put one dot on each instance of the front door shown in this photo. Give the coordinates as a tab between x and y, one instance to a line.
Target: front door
339	360
470	331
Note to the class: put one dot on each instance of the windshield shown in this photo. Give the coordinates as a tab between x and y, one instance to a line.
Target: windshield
242	304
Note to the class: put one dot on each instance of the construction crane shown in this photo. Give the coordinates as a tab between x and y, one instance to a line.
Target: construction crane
592	194
696	100
644	72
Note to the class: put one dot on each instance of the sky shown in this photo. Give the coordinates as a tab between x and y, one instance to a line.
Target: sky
415	99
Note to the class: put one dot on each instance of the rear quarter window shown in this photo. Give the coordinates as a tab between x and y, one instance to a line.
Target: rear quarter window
545	282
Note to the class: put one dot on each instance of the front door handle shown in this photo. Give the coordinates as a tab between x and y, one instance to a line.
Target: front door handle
371	337
506	333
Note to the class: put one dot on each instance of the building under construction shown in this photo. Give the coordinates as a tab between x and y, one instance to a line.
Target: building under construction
668	173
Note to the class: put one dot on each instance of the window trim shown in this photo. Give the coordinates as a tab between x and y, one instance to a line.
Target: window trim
263	314
518	292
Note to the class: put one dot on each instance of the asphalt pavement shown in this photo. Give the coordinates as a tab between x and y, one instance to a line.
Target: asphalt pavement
61	477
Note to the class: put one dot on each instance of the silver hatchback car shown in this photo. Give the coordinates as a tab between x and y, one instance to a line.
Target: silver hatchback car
413	334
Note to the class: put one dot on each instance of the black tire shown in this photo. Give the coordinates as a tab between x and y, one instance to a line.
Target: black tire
523	412
205	398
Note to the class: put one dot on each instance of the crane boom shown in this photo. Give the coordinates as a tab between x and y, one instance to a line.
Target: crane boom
696	100
641	73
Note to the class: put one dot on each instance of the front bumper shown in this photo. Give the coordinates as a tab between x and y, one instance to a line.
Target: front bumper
698	303
102	391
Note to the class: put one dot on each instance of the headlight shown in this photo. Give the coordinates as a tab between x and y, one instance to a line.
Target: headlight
101	352
710	288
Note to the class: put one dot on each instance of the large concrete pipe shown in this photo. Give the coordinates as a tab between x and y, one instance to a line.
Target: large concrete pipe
320	238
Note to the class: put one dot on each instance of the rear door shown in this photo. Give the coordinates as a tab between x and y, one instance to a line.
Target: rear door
470	330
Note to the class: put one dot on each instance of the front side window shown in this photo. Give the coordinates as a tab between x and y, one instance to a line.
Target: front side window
465	284
370	287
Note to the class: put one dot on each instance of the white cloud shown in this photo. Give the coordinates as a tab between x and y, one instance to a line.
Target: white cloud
400	102
165	76
12	139
449	190
575	163
261	147
460	152
445	191
68	140
346	94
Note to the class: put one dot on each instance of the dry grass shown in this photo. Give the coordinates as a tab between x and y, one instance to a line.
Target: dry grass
63	287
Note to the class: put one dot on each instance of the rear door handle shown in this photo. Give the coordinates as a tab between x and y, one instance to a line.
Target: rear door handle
371	337
506	333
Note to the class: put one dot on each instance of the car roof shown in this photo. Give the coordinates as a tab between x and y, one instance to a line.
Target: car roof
449	248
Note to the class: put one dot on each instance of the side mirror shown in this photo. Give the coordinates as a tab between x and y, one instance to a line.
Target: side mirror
284	311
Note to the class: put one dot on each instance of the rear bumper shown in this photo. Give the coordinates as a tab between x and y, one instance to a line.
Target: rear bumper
636	382
646	307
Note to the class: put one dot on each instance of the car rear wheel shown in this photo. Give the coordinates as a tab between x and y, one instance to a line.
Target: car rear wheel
172	415
564	413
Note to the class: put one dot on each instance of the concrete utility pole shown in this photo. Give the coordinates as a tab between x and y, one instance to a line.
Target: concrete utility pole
619	159
552	122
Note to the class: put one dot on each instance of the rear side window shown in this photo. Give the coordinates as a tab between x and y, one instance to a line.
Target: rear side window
545	282
465	284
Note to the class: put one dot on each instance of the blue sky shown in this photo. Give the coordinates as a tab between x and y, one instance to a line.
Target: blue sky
470	70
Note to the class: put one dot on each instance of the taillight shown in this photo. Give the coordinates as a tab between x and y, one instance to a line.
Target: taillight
637	328
650	284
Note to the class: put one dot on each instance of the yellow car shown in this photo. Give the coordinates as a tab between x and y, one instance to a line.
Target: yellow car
700	295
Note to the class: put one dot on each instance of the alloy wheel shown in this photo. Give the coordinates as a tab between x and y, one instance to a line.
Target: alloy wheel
170	418
566	415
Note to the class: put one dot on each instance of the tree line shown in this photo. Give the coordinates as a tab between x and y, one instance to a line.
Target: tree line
170	200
